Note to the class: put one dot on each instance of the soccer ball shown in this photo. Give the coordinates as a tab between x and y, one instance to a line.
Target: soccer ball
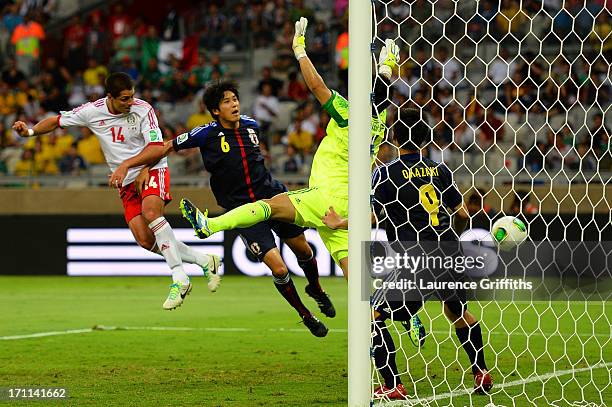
508	232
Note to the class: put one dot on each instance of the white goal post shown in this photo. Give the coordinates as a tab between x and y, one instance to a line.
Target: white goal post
359	88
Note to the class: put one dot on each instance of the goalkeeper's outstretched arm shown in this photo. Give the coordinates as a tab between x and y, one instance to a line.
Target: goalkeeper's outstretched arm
388	59
313	80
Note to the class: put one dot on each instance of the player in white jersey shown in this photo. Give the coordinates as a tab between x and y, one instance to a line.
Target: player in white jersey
128	132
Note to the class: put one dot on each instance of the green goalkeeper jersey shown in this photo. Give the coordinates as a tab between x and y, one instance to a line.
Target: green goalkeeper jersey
330	164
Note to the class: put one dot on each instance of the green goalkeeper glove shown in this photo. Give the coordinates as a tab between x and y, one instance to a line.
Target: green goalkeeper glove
388	59
299	39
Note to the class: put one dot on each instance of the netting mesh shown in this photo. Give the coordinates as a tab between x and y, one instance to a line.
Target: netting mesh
518	94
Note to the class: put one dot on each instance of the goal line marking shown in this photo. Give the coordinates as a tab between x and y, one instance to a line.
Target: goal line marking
538	378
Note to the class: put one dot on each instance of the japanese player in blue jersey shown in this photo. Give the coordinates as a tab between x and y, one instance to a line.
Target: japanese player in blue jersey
417	197
230	151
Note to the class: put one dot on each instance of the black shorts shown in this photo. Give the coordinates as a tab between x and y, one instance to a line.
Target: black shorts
401	305
260	240
403	311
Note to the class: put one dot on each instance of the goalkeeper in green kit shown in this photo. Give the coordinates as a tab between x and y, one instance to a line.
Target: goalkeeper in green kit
328	183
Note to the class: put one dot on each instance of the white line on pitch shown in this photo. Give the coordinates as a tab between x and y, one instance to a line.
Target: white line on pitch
151	328
42	334
229	329
539	378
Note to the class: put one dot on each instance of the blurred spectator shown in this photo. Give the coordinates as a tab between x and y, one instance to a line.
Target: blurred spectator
512	18
284	54
599	132
200	118
151	76
450	68
398	11
149	47
12	75
26	39
464	136
501	69
259	26
45	159
266	108
97	41
128	66
558	152
534	160
139	28
26	98
94	77
298	9
238	24
215	65
342	61
489	129
319	47
293	162
198	73
300	135
267	78
296	88
25	167
60	141
275	12
6	136
587	161
214	29
522	205
126	45
481	214
74	45
340	7
72	163
311	116
601	37
118	21
11	18
88	147
8	104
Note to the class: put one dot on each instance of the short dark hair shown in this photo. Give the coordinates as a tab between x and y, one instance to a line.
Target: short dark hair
117	82
411	130
214	95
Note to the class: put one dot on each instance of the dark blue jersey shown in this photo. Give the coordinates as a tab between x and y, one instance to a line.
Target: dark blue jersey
415	193
232	157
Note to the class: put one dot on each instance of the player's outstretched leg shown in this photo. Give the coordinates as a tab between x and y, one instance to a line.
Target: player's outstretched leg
469	334
241	217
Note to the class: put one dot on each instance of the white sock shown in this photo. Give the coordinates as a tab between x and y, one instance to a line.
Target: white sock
192	256
168	247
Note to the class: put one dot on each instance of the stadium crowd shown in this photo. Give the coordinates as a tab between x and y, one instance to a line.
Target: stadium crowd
174	59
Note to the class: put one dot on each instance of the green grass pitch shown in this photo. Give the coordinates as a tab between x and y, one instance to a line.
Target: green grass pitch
243	346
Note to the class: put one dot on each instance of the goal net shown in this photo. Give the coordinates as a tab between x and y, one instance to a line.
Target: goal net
517	95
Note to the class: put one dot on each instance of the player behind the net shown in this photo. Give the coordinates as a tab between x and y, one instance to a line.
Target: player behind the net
230	151
417	197
129	134
328	183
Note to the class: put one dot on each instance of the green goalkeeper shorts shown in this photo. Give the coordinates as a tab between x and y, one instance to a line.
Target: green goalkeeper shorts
310	207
